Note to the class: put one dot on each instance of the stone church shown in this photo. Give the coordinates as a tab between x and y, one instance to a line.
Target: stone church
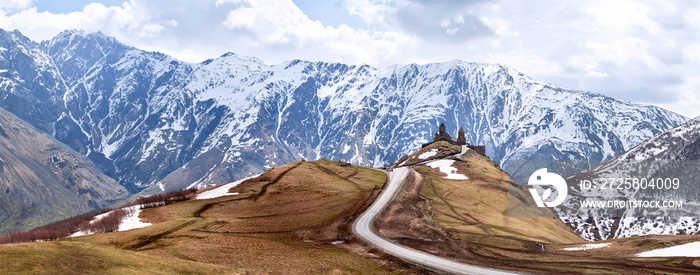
442	135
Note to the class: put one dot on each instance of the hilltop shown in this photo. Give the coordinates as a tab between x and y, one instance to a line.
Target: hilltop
461	205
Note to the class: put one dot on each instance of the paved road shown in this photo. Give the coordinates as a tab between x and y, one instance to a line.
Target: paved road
364	230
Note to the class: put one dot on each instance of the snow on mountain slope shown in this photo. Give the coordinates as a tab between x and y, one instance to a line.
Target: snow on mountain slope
670	156
146	118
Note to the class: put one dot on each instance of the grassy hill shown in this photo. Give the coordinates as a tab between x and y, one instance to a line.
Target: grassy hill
488	220
292	219
481	203
79	257
435	150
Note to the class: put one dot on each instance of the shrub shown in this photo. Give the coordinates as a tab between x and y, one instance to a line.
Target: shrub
52	231
108	223
165	199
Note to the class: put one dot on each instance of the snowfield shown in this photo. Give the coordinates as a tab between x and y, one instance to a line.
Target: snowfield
221	190
587	246
684	250
445	166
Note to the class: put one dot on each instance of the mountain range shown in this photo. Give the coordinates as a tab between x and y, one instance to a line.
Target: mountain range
153	122
668	164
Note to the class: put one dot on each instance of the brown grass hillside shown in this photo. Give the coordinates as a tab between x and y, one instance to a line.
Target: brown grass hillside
481	203
292	219
443	149
469	221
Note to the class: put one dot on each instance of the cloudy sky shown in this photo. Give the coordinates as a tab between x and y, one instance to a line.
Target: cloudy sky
642	51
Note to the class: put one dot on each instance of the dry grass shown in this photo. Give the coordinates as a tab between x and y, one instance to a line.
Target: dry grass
480	204
254	231
444	149
468	220
258	234
66	257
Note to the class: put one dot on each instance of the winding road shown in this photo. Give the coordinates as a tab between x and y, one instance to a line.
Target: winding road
363	229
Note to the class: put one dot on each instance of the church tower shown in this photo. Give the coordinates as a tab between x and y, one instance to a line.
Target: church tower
461	140
442	134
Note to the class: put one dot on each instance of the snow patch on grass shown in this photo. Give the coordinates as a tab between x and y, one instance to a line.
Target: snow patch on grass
130	221
428	154
445	166
683	250
221	190
587	246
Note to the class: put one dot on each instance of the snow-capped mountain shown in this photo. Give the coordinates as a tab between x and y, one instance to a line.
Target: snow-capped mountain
150	120
669	160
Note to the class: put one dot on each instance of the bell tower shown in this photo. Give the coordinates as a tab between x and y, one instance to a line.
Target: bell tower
461	140
442	134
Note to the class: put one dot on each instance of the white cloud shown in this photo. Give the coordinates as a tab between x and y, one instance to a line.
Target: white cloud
452	26
275	31
121	21
595	74
371	11
15	4
621	15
